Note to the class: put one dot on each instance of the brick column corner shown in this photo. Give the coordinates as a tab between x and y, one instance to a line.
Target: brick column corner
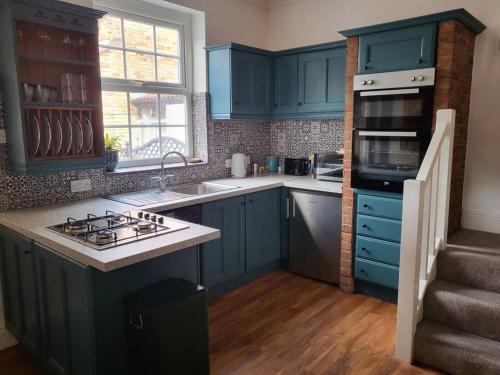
454	60
346	277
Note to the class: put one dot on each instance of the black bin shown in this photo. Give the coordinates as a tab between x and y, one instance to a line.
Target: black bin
167	329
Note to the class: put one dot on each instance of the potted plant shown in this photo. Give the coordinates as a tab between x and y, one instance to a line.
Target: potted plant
112	147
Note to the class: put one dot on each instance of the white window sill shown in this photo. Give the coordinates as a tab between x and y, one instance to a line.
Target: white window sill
155	167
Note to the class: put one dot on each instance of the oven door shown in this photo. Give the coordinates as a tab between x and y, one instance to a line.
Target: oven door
395	109
383	160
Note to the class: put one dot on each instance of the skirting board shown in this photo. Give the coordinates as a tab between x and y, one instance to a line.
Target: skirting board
475	220
6	339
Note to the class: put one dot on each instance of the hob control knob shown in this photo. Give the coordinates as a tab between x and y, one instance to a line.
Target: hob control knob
420	78
146	216
160	220
413	78
363	83
140	214
370	82
153	218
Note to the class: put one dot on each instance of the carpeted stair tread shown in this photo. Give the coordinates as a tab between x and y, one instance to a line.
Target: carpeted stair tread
469	309
456	351
478	268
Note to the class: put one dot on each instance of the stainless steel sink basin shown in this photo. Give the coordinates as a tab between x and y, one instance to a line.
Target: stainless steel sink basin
201	188
149	197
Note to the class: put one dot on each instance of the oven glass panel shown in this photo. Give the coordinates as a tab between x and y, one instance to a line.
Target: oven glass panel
410	111
386	158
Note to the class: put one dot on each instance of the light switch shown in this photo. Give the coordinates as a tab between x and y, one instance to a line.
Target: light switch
78	186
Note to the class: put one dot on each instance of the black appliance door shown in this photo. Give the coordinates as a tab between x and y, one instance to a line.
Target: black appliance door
398	109
383	160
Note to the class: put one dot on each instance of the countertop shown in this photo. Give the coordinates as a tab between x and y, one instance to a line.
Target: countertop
248	185
32	222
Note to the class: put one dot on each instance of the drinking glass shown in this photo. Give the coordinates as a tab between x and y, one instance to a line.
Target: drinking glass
44	41
66	42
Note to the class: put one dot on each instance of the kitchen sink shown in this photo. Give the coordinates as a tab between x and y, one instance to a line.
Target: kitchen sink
149	197
201	188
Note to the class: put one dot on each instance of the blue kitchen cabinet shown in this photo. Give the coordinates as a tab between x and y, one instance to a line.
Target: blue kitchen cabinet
321	81
223	259
285	84
20	290
67	313
401	49
263	215
301	83
377	243
240	81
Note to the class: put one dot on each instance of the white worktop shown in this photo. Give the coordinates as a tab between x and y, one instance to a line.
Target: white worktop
248	185
32	222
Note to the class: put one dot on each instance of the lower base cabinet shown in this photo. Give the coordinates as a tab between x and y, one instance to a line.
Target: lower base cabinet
250	238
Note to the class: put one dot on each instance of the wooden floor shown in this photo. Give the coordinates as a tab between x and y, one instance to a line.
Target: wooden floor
286	324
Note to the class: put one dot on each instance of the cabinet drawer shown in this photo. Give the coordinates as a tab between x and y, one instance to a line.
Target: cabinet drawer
377	250
379	227
379	206
377	273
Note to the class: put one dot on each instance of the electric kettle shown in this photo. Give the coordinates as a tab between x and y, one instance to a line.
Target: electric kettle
238	164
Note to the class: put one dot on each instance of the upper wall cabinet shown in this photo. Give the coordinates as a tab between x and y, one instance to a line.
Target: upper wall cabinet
50	75
285	84
401	49
307	82
321	81
240	82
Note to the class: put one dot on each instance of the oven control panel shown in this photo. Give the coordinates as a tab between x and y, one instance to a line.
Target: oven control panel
394	80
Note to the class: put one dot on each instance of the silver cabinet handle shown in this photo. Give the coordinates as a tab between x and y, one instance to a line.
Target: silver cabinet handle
288	208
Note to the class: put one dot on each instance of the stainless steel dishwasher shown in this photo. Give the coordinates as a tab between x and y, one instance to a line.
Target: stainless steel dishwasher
314	235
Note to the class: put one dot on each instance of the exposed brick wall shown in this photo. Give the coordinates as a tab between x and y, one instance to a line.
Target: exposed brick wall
346	278
455	56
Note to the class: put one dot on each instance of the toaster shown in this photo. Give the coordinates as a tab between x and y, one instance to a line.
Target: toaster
297	166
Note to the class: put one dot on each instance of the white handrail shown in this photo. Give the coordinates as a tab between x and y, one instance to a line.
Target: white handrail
424	230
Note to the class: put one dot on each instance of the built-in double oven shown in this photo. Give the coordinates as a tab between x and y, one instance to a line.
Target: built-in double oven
391	128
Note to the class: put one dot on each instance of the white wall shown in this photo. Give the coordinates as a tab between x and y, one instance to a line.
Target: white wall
295	23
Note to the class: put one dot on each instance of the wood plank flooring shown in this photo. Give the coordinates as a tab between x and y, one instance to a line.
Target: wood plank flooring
287	324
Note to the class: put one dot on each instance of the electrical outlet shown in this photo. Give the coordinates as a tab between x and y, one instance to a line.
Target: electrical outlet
78	186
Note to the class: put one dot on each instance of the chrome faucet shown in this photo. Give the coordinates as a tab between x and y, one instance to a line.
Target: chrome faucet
164	179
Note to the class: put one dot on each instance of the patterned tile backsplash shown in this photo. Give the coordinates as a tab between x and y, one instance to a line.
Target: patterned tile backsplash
215	141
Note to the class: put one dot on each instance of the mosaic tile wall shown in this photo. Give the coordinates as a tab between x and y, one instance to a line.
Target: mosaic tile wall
215	141
299	138
218	141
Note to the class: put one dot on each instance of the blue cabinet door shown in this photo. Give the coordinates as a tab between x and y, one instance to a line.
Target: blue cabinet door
251	85
20	291
321	81
285	84
219	83
263	215
67	314
403	49
224	258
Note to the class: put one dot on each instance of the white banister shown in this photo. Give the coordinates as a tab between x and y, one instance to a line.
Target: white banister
424	230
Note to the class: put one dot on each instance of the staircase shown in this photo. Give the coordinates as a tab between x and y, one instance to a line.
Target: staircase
460	330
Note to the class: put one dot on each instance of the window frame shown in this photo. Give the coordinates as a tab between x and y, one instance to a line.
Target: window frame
143	12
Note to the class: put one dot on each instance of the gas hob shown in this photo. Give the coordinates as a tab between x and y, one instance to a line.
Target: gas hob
115	229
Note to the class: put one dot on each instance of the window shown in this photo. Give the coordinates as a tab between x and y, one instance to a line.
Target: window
146	95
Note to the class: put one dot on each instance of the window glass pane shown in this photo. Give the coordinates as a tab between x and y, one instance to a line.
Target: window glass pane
114	108
143	109
173	109
168	69
167	41
123	135
111	63
140	66
174	139
145	143
110	31
138	35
